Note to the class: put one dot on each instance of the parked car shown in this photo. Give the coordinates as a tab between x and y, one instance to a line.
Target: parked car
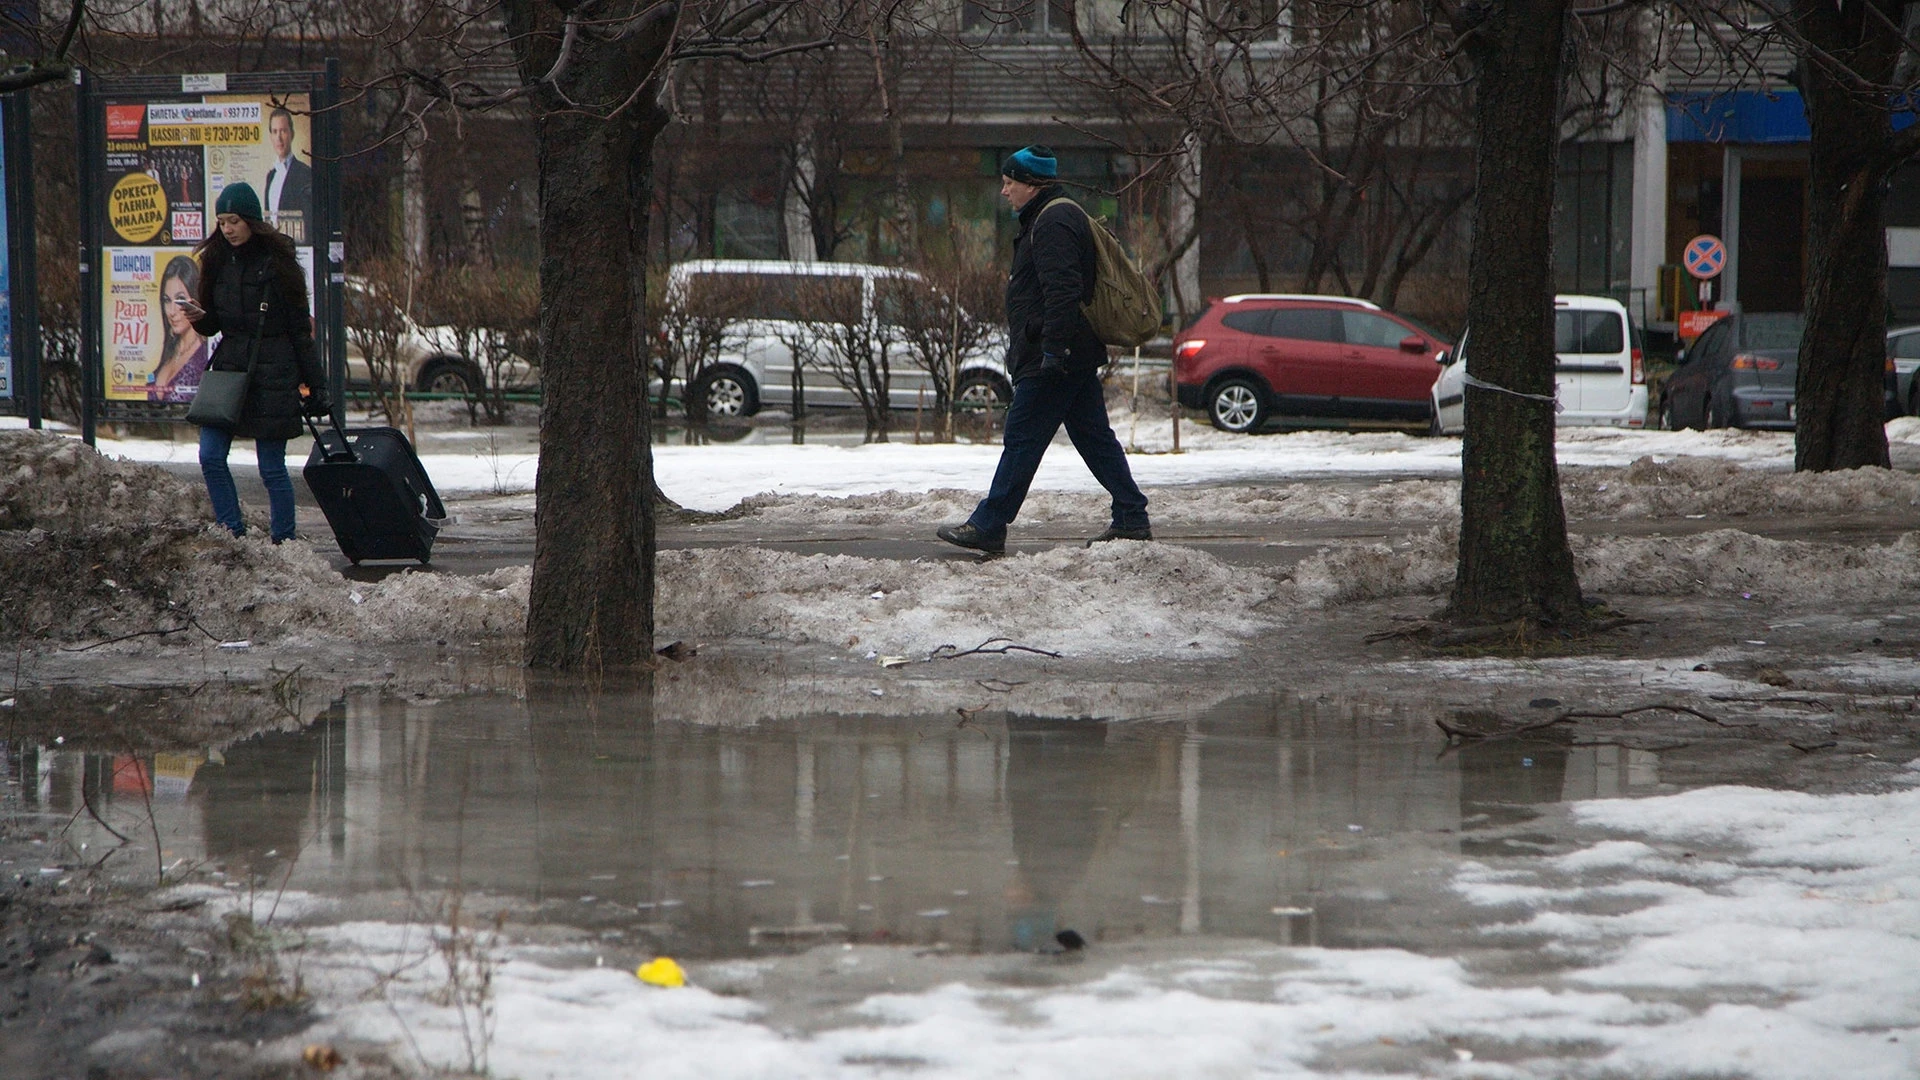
1738	373
434	361
1254	356
1599	369
1903	347
774	304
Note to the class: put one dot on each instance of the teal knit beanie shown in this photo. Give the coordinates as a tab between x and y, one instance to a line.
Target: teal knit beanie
239	199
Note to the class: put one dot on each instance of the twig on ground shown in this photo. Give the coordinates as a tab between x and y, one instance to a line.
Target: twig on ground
949	652
1808	748
998	686
1688	709
1752	700
126	637
1458	734
86	800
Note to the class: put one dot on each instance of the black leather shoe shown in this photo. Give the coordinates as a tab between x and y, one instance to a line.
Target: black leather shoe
967	536
1115	532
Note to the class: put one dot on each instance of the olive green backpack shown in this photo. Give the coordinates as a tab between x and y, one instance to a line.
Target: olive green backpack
1125	309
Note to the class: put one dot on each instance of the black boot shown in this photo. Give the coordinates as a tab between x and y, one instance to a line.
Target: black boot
1115	532
967	536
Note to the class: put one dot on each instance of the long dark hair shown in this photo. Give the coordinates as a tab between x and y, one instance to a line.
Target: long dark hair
188	272
214	252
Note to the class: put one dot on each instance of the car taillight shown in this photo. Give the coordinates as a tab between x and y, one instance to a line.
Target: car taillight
1189	348
1750	362
1639	369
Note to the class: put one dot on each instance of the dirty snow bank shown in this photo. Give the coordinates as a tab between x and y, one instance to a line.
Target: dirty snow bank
96	548
1115	600
48	482
1721	932
1644	489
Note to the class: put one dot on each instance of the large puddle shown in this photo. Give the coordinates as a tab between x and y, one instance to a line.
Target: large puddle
1274	818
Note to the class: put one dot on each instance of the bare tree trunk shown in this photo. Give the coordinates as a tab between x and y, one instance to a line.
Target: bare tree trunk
1514	559
591	602
1843	351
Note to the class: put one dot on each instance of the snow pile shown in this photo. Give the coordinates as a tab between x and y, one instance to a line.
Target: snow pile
96	549
1904	429
1714	487
1422	565
53	483
1113	600
1728	561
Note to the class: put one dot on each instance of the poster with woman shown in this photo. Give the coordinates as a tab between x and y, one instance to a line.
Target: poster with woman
152	351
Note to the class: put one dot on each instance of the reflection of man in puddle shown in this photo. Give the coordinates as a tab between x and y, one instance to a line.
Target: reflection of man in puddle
1502	779
1055	770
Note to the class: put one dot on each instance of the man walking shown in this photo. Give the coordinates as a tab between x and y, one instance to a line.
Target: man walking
1054	359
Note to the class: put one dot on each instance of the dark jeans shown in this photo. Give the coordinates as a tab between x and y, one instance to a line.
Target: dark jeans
1040	405
272	455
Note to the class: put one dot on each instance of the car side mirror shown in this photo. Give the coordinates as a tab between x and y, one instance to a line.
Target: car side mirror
1443	358
1413	343
1679	357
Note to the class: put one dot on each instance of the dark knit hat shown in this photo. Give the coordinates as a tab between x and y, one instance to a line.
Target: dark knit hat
239	199
1033	165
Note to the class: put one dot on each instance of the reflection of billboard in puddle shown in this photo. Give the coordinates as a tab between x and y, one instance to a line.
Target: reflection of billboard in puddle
1290	825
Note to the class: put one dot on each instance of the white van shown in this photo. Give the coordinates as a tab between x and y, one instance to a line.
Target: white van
774	304
1599	380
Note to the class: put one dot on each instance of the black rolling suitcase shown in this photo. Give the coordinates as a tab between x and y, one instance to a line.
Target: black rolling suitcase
375	493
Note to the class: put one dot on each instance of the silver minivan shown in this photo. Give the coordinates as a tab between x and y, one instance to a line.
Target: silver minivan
775	307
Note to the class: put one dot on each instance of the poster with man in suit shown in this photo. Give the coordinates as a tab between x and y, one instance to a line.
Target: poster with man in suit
287	192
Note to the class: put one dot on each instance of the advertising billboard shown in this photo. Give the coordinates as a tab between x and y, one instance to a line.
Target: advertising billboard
166	161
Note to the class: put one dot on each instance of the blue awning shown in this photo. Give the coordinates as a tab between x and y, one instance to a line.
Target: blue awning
1747	116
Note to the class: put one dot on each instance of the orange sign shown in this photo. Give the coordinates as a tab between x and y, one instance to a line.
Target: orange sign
1695	323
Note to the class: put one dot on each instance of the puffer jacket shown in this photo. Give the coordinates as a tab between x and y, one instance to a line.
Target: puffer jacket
1052	275
287	357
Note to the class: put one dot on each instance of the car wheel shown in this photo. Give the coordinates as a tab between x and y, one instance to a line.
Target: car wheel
1913	398
1433	422
1238	404
450	377
1666	416
982	393
1717	416
723	390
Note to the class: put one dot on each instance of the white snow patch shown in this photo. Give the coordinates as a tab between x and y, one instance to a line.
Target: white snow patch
1786	948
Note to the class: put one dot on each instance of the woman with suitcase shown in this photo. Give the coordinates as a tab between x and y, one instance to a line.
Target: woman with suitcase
253	293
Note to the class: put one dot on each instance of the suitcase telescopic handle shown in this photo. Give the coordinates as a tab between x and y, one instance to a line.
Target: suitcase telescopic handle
345	453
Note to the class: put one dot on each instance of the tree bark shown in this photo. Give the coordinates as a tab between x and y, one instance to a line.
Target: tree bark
591	601
1838	393
1514	559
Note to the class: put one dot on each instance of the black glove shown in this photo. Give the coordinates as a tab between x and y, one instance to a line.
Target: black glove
1053	366
316	405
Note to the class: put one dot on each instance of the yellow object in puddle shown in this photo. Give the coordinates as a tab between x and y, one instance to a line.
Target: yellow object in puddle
662	971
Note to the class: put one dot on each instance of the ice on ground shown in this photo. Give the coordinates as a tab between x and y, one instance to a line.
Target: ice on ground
1721	932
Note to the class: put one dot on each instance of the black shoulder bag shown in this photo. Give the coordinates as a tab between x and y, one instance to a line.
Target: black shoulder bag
223	394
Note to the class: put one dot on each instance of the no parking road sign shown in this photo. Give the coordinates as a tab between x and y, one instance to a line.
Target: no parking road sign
1704	257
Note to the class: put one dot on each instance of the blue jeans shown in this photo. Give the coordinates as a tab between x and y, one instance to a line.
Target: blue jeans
1040	405
272	455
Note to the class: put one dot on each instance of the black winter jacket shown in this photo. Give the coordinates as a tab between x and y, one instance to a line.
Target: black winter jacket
1053	274
287	358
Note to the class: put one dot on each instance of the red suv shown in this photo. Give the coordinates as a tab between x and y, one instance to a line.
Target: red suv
1256	355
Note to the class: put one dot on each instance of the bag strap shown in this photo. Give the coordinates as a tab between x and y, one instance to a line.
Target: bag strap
260	329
